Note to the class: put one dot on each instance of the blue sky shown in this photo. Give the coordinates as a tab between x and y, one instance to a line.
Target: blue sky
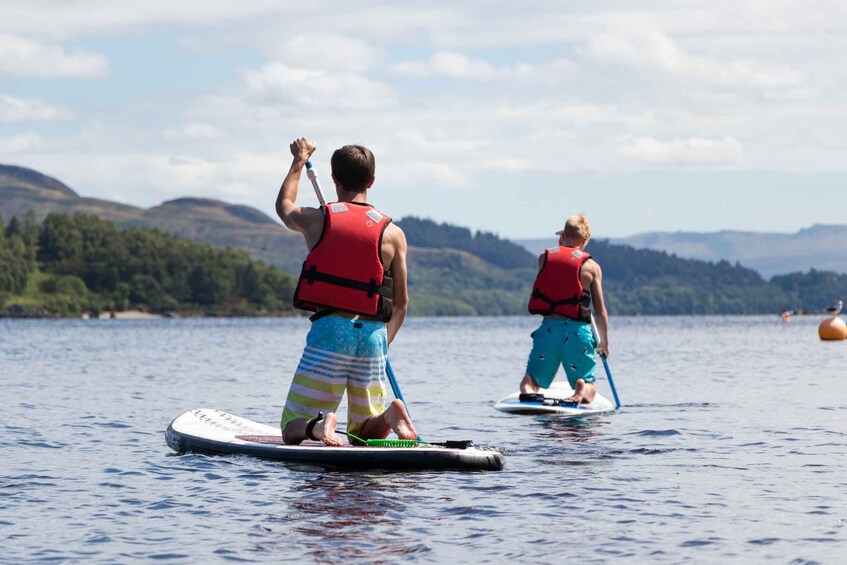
505	117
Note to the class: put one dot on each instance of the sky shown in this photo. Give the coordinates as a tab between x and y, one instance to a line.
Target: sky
500	116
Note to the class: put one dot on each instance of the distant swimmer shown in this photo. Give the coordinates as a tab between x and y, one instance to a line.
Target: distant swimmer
835	309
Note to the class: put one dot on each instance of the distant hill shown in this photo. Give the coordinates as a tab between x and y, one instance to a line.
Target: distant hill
14	178
454	271
197	219
820	247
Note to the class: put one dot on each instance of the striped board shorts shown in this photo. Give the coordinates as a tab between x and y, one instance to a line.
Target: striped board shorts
340	355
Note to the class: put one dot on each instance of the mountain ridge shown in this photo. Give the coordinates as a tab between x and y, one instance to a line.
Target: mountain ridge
819	247
453	270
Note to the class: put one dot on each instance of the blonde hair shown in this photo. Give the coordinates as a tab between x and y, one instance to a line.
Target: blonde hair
577	227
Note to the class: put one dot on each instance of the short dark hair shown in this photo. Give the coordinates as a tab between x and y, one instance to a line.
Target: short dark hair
353	167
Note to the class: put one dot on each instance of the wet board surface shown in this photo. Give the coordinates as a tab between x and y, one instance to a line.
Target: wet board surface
558	391
215	432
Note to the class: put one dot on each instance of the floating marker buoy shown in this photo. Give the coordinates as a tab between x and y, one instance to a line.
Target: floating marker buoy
833	329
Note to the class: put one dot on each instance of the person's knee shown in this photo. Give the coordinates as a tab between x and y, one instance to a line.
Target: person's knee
288	437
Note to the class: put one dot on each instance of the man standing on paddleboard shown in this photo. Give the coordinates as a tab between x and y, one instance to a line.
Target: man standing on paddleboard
354	279
569	281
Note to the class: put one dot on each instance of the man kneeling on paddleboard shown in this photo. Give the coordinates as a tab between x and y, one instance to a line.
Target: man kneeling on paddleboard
568	282
354	279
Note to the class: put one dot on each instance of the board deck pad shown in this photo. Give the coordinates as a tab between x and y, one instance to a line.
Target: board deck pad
558	391
215	432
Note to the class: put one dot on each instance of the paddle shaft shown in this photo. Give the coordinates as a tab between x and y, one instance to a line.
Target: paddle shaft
605	364
310	172
395	388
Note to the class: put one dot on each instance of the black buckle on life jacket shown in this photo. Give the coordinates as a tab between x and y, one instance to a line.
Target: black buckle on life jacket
311	275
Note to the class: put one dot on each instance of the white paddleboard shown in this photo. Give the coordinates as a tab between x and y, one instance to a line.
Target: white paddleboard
218	433
558	391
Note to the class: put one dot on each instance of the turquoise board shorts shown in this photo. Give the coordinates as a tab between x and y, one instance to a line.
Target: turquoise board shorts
559	341
341	355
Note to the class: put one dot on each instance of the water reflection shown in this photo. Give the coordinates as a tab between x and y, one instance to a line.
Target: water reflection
570	430
351	515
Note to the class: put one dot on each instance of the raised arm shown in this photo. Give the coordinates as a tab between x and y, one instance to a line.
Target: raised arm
293	216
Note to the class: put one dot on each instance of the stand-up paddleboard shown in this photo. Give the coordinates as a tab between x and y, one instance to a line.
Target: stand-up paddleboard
553	403
217	433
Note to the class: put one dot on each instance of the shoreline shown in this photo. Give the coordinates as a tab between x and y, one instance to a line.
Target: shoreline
124	315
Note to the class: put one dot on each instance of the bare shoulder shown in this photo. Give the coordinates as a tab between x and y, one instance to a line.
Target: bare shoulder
394	236
590	273
309	222
592	266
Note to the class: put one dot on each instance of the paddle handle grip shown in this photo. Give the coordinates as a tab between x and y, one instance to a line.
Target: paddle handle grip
310	172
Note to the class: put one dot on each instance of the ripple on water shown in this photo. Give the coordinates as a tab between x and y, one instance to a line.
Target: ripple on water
667	480
655	433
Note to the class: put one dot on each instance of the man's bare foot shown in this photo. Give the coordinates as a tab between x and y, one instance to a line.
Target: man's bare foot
528	385
583	393
397	417
325	430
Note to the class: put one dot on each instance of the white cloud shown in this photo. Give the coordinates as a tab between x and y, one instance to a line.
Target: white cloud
330	51
640	45
510	165
459	66
436	173
194	131
64	19
682	152
453	65
278	82
20	143
21	56
13	109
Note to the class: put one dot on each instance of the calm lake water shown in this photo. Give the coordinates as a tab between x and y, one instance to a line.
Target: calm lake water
732	445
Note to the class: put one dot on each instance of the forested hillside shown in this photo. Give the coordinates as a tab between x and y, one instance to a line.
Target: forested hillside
452	270
636	282
74	264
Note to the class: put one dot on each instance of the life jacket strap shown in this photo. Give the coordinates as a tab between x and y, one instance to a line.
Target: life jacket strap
574	300
372	287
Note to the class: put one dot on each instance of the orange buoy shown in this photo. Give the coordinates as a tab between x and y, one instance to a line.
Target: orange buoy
833	329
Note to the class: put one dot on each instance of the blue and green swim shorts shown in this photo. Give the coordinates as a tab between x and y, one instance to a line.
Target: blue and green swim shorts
341	355
561	341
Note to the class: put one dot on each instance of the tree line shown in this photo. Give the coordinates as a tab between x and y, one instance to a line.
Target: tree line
72	264
636	281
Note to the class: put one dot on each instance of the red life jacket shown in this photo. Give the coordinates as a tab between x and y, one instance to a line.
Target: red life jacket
558	288
344	270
